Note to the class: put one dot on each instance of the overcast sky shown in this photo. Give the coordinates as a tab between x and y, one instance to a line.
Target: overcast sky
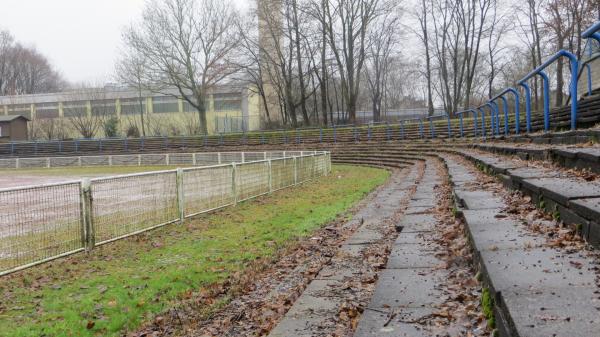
80	37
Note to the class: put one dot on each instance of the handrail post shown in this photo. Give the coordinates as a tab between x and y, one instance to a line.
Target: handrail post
527	90
402	129
475	113
492	119
461	125
482	110
334	134
505	109
421	131
546	87
388	131
574	74
449	127
431	128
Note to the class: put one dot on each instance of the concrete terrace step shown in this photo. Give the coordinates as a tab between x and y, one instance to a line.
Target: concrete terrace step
576	202
407	289
569	157
538	291
314	312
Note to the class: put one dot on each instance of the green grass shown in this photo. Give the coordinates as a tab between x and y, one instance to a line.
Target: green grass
83	171
123	284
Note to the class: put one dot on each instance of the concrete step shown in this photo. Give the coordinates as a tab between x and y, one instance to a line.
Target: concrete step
537	290
574	201
409	287
583	158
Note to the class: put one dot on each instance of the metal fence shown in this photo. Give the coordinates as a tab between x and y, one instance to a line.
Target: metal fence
41	223
150	159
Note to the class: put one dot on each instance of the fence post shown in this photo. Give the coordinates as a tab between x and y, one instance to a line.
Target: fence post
295	170
219	157
270	176
265	155
47	162
233	189
194	158
243	157
180	195
88	234
168	159
139	160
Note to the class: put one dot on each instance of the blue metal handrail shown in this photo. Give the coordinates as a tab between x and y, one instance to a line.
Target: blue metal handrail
592	32
573	86
460	115
501	95
527	105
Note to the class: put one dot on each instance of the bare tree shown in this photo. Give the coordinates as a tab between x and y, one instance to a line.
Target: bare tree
131	70
87	108
347	27
383	40
423	35
23	70
189	45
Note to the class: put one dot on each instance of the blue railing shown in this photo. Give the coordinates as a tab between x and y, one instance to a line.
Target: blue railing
546	84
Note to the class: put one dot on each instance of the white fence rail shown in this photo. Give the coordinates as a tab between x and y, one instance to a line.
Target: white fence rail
41	223
147	159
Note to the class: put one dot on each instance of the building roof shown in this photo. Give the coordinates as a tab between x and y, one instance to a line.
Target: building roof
108	92
10	118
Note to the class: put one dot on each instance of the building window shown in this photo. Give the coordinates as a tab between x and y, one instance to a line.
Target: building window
76	108
131	106
228	102
105	107
46	110
165	104
20	109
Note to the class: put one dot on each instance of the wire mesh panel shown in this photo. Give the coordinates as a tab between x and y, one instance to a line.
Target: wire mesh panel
252	179
8	163
127	204
207	158
231	157
207	188
64	161
305	168
125	160
95	161
321	164
275	154
153	159
33	162
38	223
282	173
181	159
254	156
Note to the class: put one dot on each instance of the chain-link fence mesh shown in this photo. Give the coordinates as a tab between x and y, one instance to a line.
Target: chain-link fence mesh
37	223
252	179
43	222
129	204
207	188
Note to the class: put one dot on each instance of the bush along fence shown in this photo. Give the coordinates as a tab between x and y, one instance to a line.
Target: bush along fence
41	223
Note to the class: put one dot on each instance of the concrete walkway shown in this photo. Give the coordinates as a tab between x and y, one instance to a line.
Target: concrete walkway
316	311
407	289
